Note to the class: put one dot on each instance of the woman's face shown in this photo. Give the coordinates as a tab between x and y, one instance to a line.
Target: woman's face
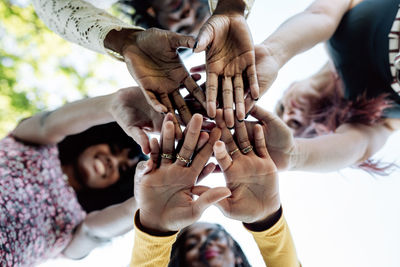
182	16
207	245
296	104
99	167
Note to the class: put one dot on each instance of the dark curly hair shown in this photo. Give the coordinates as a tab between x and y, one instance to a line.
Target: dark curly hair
178	252
72	146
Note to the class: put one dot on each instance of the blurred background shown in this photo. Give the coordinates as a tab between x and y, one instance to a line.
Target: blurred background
346	218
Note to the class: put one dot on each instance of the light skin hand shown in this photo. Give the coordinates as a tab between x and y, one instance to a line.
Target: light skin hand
152	59
229	55
278	137
252	177
165	192
135	116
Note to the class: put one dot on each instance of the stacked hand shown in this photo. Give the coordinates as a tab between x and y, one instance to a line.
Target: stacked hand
229	55
164	188
250	174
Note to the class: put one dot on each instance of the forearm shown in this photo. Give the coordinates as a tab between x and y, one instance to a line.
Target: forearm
101	226
72	118
79	22
306	29
276	244
349	145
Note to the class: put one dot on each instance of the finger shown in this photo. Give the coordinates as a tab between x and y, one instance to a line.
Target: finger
241	135
205	37
181	106
211	93
263	115
153	101
143	167
259	142
207	198
168	141
179	40
195	90
203	138
222	156
191	138
140	137
155	151
253	81
249	104
226	135
239	97
165	100
227	98
205	153
209	168
199	68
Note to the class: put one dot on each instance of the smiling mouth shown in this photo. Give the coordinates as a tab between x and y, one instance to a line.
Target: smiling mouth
209	254
99	166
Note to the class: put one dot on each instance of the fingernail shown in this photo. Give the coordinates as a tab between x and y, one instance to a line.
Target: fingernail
195	45
164	113
240	120
212	118
231	128
256	99
247	115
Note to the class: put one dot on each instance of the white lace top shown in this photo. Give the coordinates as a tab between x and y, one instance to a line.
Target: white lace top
82	23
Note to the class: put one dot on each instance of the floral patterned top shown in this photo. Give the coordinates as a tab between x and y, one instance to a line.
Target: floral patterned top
38	209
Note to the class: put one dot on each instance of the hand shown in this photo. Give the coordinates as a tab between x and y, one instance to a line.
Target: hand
165	193
229	54
153	61
267	70
278	137
252	177
136	117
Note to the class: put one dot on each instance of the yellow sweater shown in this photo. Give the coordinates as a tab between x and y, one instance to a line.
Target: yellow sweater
275	244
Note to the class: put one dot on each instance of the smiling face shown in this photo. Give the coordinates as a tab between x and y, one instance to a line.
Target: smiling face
208	245
99	166
182	16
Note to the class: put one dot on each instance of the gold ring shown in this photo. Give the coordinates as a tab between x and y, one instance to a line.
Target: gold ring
247	149
167	156
233	151
187	161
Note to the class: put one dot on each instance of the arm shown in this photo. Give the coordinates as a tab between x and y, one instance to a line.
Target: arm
99	227
301	32
348	145
127	106
79	22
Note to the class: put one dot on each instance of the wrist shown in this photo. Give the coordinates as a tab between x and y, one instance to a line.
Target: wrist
276	49
150	226
237	7
117	40
298	155
265	223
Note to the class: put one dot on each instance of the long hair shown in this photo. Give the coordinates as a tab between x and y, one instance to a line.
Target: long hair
331	110
72	146
178	252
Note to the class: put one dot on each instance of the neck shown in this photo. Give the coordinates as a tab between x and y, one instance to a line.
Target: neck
72	181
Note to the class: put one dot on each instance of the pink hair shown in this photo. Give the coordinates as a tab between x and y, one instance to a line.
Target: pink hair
331	110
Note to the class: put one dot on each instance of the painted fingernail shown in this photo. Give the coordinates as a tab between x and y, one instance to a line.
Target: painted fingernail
247	115
212	118
195	45
231	128
256	99
240	120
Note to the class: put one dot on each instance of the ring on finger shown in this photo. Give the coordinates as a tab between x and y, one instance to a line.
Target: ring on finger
233	151
186	161
167	156
247	149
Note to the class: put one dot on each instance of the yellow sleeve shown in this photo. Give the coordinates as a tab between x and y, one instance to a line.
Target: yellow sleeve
276	245
248	3
151	251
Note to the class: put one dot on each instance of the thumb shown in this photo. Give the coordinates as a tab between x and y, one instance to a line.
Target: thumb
180	40
207	197
144	167
140	137
205	37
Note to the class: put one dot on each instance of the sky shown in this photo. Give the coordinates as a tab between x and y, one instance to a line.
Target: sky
346	218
